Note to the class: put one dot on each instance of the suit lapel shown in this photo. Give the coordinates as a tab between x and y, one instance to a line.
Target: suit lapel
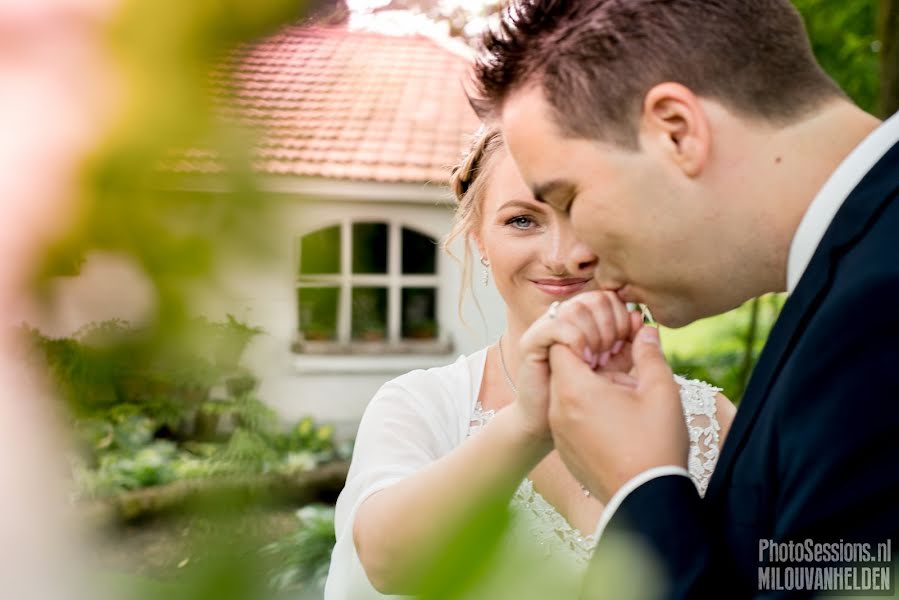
781	340
852	220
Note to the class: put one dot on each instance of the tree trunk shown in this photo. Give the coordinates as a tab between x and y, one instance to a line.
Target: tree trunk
889	56
749	345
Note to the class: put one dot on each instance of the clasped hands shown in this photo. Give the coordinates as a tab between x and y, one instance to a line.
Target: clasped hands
594	378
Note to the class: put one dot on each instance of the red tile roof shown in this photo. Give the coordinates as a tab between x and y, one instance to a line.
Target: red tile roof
343	104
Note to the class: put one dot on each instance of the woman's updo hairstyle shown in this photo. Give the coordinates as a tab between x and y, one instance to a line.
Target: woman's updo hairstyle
468	182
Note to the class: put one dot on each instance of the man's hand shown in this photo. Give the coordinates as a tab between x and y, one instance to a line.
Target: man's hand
608	426
595	326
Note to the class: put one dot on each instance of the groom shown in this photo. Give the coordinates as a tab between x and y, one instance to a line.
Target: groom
706	158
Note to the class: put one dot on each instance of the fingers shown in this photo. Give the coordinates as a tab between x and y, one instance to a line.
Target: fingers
622	318
636	323
571	374
581	317
623	330
653	372
595	325
565	364
607	315
536	341
603	308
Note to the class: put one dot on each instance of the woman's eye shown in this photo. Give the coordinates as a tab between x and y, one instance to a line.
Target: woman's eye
521	222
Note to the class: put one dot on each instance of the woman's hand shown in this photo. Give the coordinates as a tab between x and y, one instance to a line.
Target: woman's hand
595	326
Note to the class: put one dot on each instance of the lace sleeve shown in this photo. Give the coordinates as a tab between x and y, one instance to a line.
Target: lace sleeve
698	400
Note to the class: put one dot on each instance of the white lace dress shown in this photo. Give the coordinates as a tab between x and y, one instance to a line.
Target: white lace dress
423	415
542	524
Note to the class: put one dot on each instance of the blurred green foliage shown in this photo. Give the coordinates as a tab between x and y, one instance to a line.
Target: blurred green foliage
722	350
231	568
126	454
132	391
115	368
303	557
844	39
171	90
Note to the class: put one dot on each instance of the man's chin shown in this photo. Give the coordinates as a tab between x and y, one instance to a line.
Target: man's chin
668	316
675	323
675	317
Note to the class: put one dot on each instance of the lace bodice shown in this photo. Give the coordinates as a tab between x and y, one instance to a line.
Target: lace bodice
538	520
698	401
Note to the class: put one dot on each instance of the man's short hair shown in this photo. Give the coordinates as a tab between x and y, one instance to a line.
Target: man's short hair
595	60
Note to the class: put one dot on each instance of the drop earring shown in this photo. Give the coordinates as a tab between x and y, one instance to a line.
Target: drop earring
486	264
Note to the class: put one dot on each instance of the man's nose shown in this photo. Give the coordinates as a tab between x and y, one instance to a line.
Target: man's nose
569	254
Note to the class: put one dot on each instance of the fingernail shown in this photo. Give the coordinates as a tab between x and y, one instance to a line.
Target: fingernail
604	359
616	347
589	357
650	335
631	306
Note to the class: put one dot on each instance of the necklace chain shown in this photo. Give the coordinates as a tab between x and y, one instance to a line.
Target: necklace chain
502	362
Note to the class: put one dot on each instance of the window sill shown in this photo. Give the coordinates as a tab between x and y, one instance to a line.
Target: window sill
370	357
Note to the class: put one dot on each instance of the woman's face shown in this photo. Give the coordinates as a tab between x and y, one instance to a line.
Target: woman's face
534	256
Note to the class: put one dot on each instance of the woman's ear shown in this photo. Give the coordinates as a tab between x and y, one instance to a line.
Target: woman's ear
482	251
674	122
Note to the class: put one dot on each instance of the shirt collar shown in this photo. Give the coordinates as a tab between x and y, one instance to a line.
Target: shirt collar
832	195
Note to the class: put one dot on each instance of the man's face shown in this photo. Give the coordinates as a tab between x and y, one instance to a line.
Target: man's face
629	207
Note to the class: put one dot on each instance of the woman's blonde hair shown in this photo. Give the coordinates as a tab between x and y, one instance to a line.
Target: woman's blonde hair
468	182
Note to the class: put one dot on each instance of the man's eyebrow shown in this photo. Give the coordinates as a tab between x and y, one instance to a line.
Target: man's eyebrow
519	203
543	190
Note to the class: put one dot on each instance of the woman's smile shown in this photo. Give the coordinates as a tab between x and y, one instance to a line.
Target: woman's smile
561	287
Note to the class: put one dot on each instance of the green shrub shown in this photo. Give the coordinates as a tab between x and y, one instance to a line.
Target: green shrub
303	557
120	471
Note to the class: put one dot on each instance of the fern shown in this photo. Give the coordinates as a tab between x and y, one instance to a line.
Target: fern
303	557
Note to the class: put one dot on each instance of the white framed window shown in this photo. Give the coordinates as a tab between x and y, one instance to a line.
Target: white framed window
368	287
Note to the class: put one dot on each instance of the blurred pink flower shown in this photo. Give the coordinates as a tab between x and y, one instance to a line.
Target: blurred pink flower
56	100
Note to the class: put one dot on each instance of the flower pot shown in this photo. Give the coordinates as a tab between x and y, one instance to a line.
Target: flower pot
373	335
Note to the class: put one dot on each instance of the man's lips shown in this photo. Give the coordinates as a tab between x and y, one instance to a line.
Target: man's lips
561	287
624	294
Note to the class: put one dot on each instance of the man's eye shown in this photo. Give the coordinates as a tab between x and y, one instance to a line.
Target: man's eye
520	222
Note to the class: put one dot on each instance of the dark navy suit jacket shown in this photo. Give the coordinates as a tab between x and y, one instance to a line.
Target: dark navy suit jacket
813	452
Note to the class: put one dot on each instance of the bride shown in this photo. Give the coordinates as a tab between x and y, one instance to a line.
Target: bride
433	446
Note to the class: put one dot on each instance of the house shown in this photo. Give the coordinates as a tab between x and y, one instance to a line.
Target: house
360	131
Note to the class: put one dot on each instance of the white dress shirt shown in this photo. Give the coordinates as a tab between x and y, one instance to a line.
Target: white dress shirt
830	198
808	235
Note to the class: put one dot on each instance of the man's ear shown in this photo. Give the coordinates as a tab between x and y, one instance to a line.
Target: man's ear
674	121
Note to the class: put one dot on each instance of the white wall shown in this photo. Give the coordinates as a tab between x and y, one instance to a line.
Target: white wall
109	286
337	388
331	388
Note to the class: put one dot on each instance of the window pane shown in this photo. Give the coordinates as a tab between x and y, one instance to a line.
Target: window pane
419	313
419	253
369	314
318	313
369	247
320	251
